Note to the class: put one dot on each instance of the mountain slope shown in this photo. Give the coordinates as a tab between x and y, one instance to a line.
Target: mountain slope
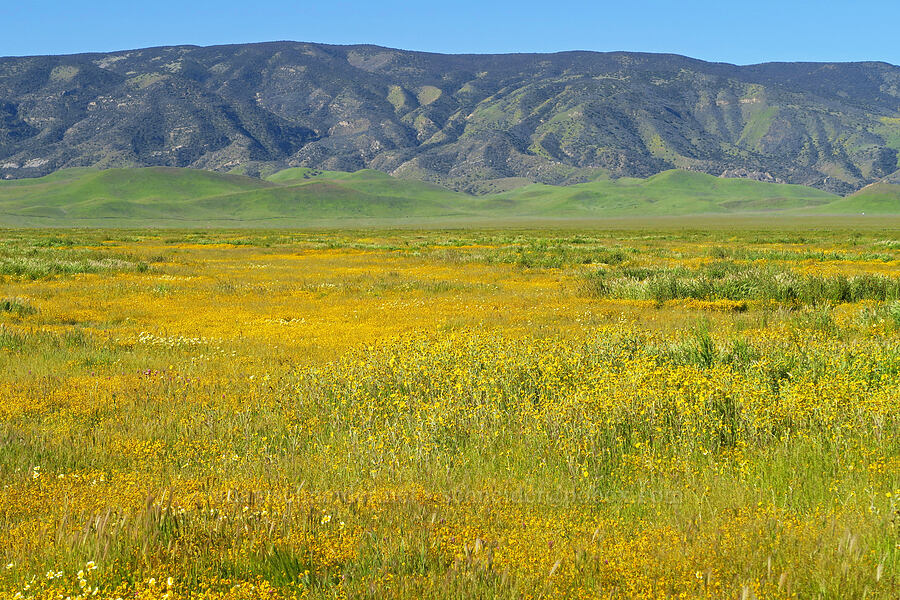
456	120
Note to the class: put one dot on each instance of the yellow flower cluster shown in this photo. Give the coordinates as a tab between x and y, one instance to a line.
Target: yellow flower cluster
529	414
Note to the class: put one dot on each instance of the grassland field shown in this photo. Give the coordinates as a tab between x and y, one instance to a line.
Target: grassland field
309	198
652	411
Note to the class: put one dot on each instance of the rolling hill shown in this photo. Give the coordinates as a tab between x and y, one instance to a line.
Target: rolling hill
877	198
668	193
164	196
474	123
173	196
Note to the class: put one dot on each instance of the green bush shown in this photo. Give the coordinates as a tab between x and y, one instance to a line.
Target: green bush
18	306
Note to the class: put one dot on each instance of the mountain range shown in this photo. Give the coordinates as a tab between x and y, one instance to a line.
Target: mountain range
475	123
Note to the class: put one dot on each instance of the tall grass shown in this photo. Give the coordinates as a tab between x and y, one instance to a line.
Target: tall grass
733	281
20	307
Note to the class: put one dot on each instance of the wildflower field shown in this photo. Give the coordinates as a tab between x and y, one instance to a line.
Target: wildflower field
450	414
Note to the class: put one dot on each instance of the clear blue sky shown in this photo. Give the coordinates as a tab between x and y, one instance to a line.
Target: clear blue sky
758	31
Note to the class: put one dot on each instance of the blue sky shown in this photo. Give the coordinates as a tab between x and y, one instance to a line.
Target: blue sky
751	32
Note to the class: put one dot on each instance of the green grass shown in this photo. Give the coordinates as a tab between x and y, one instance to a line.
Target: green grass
302	196
156	196
758	126
668	193
23	261
878	198
302	174
18	306
135	185
726	280
889	129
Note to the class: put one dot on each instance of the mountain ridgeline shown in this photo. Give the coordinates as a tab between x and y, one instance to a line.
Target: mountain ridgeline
475	123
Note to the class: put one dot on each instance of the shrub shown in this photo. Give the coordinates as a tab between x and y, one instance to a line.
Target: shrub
18	306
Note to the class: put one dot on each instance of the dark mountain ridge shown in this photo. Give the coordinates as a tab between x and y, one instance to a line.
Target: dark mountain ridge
472	122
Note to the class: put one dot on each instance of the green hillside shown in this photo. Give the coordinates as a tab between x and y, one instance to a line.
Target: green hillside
668	193
123	193
879	198
169	196
303	174
298	197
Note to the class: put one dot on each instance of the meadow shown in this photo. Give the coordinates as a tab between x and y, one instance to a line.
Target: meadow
634	413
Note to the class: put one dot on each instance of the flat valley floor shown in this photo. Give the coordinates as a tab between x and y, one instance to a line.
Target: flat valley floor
642	413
